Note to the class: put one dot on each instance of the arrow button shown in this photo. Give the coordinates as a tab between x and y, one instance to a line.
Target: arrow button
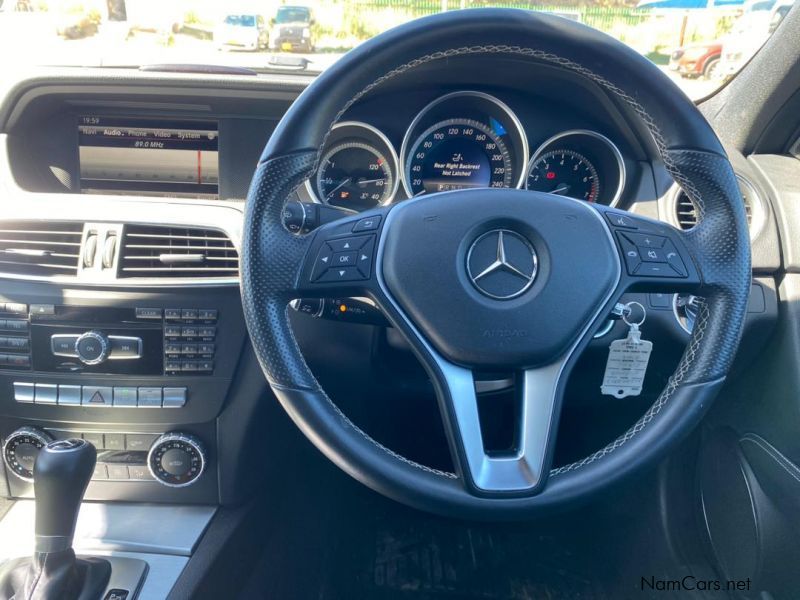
343	274
364	262
348	243
322	262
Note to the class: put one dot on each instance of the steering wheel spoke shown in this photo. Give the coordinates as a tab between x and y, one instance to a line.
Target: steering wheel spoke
523	469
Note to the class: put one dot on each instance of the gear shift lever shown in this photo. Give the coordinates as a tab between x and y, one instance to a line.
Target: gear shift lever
60	475
62	471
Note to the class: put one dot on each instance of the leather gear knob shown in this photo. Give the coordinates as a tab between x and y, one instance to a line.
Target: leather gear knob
60	475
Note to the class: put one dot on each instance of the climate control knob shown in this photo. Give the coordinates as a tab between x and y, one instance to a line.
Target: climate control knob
21	448
176	459
92	348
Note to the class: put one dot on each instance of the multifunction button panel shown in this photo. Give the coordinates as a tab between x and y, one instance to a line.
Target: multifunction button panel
344	259
347	257
646	253
100	396
650	255
189	338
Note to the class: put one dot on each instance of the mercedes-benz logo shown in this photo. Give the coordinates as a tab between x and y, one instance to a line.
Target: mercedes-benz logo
502	264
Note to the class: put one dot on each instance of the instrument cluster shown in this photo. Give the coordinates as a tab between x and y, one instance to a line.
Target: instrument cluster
464	139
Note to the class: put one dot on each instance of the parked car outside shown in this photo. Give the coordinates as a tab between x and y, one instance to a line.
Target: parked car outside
696	60
242	31
292	29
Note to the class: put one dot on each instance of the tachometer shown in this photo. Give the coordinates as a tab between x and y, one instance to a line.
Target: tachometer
578	163
566	173
457	154
354	175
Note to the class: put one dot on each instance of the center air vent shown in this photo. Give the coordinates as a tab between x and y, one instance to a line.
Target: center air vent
158	251
40	248
686	211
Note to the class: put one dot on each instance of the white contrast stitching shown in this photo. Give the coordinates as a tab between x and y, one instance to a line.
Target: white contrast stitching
389	451
365	435
672	385
774	455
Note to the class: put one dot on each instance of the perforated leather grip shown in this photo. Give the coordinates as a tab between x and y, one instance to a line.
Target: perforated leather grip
269	267
721	245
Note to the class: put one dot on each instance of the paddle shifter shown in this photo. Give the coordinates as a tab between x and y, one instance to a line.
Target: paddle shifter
60	475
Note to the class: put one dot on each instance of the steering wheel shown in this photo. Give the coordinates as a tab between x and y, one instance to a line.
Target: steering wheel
497	279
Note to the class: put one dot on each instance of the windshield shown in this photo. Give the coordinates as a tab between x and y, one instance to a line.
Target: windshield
698	43
243	20
292	15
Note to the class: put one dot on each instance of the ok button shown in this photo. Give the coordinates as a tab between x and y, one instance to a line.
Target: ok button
344	259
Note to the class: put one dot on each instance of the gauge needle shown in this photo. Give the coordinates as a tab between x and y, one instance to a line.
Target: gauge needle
334	190
560	189
366	181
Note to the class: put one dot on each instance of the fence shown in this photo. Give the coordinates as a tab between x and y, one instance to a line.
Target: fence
600	17
344	23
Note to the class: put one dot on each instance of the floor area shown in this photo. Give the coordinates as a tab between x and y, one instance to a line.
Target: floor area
329	538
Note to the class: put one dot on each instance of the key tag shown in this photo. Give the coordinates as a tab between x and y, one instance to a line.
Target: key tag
627	359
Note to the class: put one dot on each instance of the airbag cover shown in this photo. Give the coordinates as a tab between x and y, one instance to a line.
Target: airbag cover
436	247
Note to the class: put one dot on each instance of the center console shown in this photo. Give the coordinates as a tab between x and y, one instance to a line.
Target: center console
121	207
141	375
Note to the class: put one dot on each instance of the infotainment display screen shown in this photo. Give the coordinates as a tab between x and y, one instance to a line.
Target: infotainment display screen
122	155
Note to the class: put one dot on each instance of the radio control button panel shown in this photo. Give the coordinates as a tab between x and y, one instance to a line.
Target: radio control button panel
15	341
189	340
128	341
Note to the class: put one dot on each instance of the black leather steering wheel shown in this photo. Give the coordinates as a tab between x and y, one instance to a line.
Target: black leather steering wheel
415	260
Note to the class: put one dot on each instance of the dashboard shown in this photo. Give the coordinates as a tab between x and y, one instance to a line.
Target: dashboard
441	132
149	157
121	203
463	139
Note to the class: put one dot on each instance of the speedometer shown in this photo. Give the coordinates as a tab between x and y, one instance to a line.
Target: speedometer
457	154
464	139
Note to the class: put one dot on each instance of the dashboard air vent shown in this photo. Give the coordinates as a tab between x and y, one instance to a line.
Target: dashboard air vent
686	211
40	248
161	251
